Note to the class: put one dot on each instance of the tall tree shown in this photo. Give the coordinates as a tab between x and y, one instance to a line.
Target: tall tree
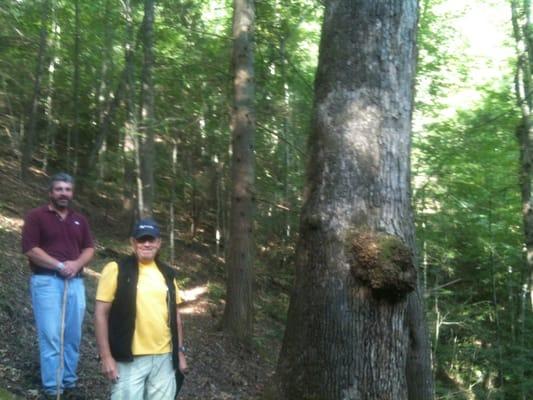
50	131
238	313
74	145
131	140
522	29
347	335
147	111
104	92
30	134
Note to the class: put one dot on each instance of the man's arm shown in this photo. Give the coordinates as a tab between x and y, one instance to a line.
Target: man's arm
101	325
182	359
41	258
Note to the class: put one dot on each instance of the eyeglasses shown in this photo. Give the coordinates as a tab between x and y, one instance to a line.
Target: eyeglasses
144	239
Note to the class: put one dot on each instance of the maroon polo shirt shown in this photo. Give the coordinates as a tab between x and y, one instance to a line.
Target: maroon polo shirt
61	239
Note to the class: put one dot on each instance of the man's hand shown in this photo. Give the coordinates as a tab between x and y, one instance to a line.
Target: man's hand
183	364
70	270
109	368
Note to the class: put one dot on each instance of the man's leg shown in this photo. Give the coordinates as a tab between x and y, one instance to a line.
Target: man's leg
75	311
161	383
132	379
46	295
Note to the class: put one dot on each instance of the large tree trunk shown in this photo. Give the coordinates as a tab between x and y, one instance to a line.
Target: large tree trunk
347	334
147	112
238	313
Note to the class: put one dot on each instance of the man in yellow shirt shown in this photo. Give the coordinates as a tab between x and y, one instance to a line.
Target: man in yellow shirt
138	325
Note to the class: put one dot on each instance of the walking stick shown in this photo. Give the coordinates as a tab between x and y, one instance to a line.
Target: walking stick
60	367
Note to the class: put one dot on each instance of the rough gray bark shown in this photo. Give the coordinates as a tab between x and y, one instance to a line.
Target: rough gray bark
419	373
238	313
147	112
347	334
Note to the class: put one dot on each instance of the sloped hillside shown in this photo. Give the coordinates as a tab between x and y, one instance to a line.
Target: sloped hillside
219	369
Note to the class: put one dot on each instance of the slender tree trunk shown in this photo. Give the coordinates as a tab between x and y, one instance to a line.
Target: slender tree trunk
419	372
147	154
104	96
51	127
28	140
131	134
347	334
173	201
219	211
522	28
109	115
76	90
119	94
238	313
524	133
13	135
286	227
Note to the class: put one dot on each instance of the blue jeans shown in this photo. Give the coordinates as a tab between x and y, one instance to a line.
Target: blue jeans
47	297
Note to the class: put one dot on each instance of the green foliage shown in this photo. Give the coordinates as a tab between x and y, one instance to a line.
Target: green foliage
468	212
216	291
469	224
5	395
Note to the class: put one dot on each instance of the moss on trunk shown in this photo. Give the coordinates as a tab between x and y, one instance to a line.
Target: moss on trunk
382	262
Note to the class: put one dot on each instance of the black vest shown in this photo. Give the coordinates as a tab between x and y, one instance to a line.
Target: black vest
123	310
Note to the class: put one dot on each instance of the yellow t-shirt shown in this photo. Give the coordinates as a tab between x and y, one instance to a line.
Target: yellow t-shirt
152	332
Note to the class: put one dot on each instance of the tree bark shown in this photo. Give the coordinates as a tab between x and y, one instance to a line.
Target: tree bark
420	381
238	313
347	334
521	14
130	146
76	91
51	126
108	114
101	142
147	153
30	134
522	28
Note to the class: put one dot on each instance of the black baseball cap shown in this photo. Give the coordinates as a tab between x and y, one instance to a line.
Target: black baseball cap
146	227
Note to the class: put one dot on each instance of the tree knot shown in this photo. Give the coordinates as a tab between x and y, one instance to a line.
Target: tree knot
382	262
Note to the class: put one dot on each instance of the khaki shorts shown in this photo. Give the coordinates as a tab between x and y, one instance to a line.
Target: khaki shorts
149	377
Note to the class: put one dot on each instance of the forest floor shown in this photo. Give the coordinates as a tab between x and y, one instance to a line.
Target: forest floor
218	367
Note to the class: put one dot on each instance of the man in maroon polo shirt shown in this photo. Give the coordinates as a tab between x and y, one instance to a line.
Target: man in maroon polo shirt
58	243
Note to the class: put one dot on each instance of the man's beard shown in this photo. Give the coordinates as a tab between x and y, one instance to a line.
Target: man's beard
61	204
